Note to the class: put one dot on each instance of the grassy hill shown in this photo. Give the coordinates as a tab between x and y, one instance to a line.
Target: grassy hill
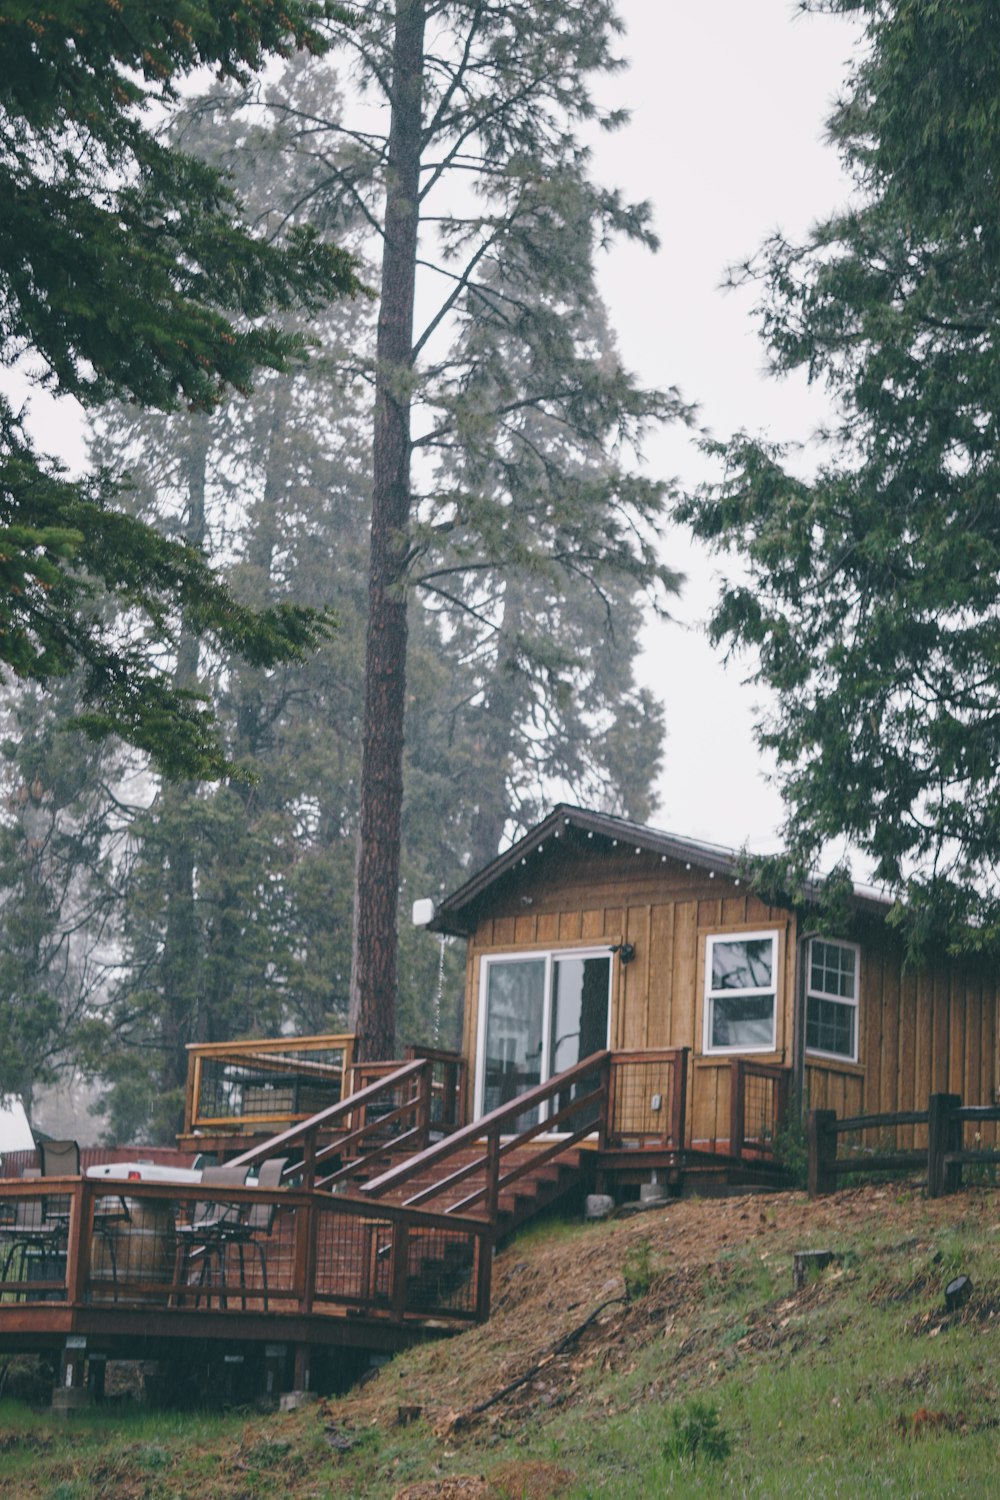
662	1354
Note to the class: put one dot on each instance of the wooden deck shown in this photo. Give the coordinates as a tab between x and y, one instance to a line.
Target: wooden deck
378	1233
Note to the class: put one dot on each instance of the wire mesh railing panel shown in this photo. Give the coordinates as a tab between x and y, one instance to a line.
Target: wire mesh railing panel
359	1263
760	1113
269	1085
441	1272
34	1237
643	1097
353	1259
391	1113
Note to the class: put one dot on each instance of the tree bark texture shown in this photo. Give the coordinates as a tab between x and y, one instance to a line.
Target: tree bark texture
180	966
373	977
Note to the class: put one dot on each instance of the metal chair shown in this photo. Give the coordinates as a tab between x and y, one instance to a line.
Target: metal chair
28	1232
208	1234
255	1228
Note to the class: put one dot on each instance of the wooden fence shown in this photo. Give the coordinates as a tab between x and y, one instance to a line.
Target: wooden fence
946	1120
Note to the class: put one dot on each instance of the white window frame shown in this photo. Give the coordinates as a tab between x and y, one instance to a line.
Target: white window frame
816	994
524	955
739	936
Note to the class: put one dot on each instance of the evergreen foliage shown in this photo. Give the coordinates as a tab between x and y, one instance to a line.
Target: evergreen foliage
483	100
870	591
125	271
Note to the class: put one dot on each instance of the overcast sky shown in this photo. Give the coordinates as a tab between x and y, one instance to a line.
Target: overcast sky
728	100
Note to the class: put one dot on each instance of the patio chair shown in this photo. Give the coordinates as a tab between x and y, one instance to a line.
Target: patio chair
28	1233
59	1159
255	1228
62	1159
208	1234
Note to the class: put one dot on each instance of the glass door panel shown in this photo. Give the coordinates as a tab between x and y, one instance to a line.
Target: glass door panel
580	988
515	1019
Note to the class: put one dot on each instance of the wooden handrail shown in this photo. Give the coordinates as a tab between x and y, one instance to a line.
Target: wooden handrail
307	1130
493	1123
343	1040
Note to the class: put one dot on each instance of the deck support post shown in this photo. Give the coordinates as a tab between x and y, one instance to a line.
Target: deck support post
303	1367
944	1135
71	1391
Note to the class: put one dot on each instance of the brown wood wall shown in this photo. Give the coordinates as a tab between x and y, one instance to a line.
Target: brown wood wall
918	1033
921	1033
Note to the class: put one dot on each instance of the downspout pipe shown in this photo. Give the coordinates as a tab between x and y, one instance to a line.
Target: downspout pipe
799	1026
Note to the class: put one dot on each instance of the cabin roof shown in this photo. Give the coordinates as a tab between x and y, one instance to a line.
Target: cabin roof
457	913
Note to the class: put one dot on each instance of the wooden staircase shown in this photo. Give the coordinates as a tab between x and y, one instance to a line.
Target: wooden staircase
446	1186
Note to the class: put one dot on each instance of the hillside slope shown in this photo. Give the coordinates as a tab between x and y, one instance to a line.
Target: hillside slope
663	1354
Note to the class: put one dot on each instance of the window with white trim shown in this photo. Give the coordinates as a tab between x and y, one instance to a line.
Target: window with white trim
832	999
741	992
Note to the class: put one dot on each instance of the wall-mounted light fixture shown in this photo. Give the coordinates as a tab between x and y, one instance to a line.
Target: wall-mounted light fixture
626	950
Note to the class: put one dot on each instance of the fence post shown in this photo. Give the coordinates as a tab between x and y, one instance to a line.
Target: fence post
822	1136
737	1086
944	1134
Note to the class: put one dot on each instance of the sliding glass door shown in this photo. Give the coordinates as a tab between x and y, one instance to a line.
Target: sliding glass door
540	1014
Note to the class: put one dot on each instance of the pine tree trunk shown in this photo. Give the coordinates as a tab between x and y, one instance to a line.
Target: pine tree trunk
180	959
373	976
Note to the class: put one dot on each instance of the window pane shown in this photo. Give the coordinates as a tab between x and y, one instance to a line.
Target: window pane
747	1021
742	963
830	1026
832	969
579	1010
579	1020
515	1001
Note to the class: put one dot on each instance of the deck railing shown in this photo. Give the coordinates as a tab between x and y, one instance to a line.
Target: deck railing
253	1086
387	1115
758	1107
570	1106
647	1099
138	1245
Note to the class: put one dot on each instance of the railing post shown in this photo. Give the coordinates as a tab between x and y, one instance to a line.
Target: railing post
484	1275
192	1092
81	1226
304	1251
400	1267
678	1102
781	1094
492	1202
607	1075
737	1100
309	1162
822	1136
944	1135
425	1083
449	1098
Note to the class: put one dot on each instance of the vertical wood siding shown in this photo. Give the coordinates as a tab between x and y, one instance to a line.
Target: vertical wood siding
917	1032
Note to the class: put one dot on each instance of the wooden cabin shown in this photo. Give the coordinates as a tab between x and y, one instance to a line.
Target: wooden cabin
636	1017
593	932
